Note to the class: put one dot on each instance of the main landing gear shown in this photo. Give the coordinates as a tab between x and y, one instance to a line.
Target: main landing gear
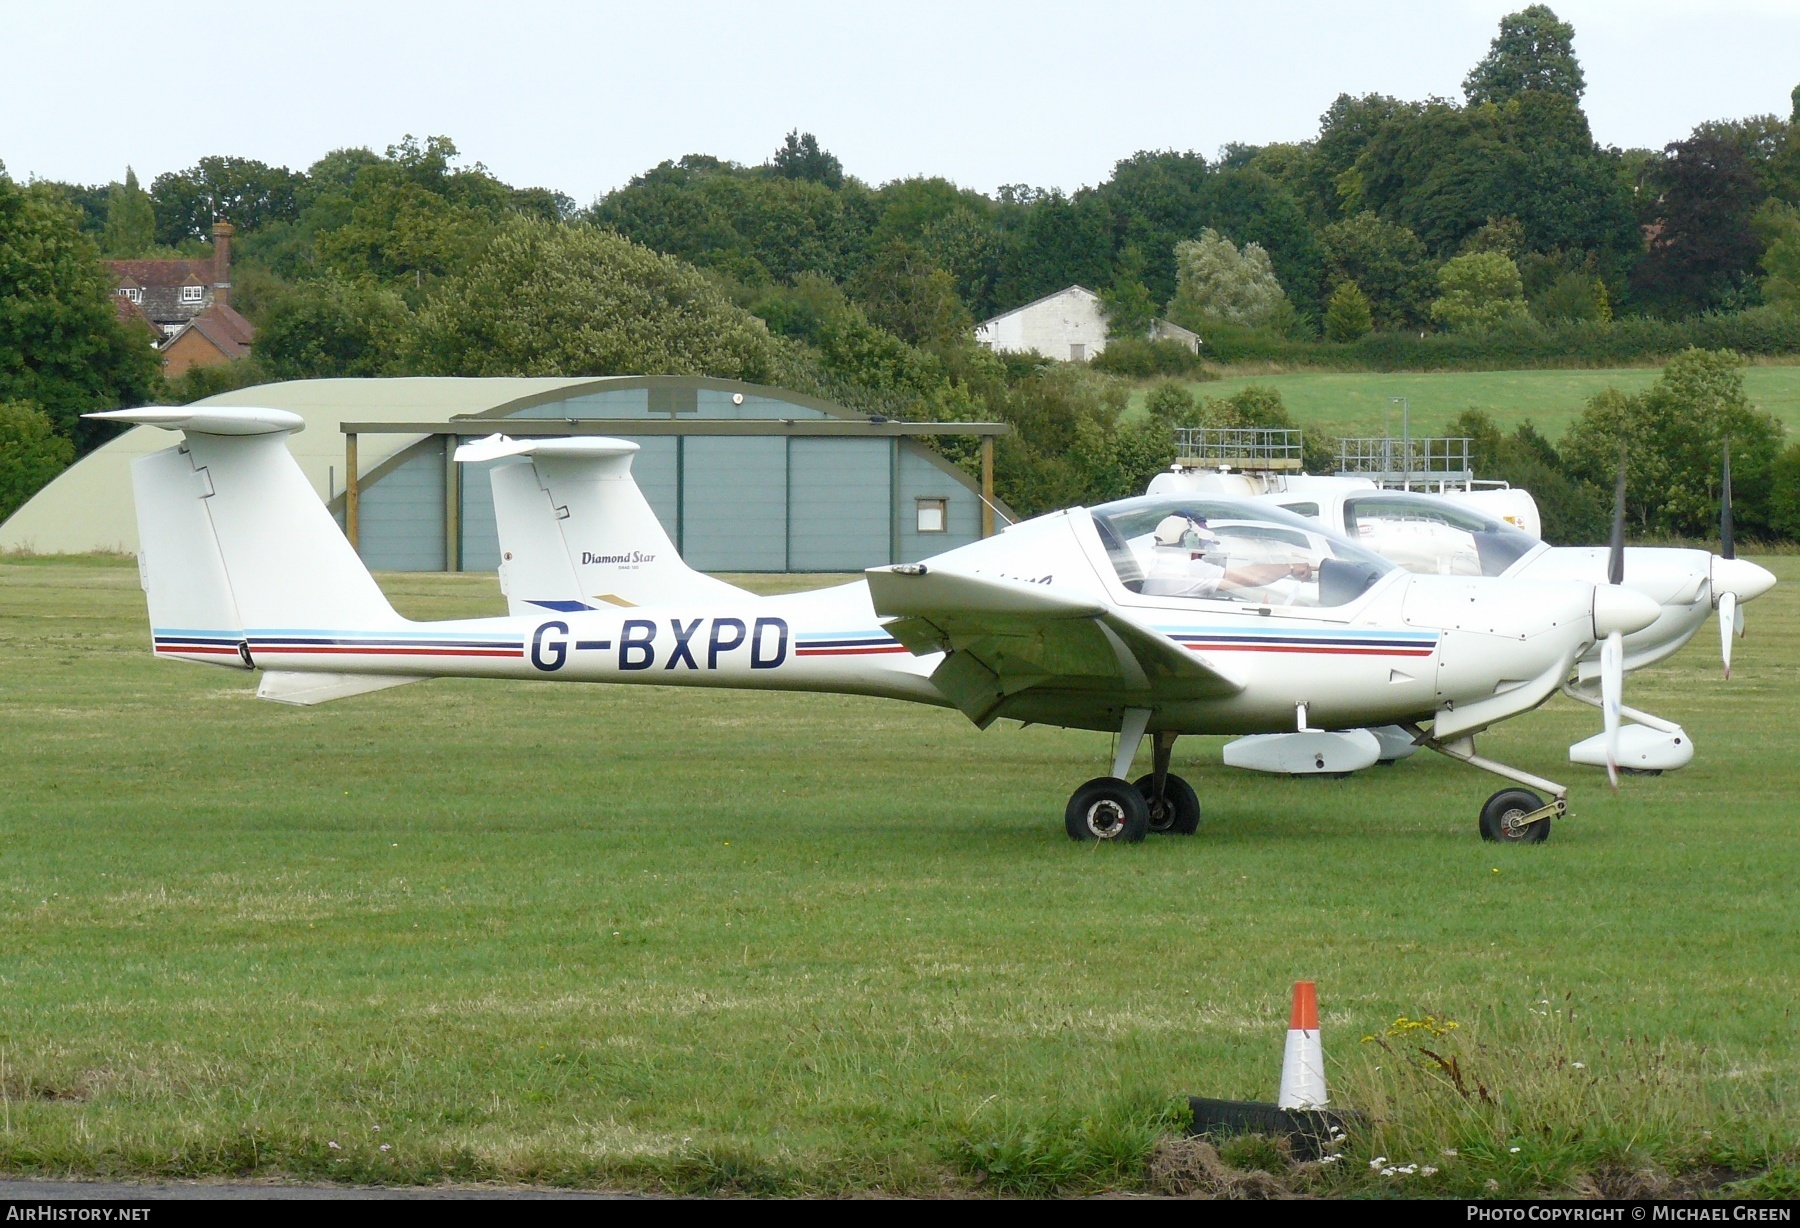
1511	816
1112	808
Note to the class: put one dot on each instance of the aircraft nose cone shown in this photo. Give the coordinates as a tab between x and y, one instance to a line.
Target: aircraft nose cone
1617	608
1740	577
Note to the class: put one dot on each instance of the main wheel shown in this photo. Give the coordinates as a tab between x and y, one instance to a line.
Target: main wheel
1177	811
1107	808
1500	818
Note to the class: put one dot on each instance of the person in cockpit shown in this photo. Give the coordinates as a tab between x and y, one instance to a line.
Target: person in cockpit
1189	560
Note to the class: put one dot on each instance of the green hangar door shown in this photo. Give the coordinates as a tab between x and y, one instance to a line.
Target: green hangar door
733	503
840	502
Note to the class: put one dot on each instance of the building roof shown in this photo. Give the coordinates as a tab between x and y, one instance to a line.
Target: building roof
89	505
229	332
149	273
1036	301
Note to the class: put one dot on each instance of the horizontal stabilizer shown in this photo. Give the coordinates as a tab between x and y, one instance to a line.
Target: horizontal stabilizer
498	447
219	420
289	687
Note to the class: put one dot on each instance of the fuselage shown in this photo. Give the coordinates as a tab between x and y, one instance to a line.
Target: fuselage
1406	647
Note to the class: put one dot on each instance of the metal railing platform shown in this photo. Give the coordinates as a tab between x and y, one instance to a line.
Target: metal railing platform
1252	448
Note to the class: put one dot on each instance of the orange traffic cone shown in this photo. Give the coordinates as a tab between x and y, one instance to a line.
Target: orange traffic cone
1303	1065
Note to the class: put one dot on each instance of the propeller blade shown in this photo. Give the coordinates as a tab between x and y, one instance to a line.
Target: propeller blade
1726	549
1612	687
1615	564
1728	624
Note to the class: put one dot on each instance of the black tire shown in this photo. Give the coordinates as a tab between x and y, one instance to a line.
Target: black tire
1107	808
1177	812
1508	804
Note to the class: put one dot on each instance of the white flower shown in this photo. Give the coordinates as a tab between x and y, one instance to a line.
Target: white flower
1579	1065
333	1145
1387	1172
386	1146
1428	1171
1514	1150
1408	1169
1378	1161
1329	1159
1450	1151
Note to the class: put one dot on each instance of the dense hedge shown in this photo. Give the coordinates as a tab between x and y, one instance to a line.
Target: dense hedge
1526	343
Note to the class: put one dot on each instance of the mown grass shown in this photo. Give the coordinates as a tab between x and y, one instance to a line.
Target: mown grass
788	943
1358	403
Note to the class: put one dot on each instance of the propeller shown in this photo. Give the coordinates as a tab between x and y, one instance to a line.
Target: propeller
1612	651
1728	611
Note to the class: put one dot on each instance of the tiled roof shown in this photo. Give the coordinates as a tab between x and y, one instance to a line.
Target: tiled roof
149	273
229	332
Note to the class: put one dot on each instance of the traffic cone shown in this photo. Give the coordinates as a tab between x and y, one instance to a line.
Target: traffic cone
1303	1065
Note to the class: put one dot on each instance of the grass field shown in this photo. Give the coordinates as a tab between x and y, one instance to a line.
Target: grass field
1358	403
786	943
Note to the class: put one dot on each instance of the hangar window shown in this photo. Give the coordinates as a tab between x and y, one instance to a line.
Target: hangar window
934	515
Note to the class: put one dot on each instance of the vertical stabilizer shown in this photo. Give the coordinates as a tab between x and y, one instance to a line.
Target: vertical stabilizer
611	541
235	535
192	613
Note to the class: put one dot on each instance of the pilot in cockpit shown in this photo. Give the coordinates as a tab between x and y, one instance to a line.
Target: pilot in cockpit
1189	560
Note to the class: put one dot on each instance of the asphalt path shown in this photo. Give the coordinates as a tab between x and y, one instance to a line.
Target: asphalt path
121	1191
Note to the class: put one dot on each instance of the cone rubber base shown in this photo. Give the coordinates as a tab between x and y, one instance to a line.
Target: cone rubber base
1307	1130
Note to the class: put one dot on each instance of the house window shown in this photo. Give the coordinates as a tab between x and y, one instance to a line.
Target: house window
192	294
933	515
169	330
132	293
1077	352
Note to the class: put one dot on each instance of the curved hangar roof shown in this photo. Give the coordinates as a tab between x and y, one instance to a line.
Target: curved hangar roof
89	506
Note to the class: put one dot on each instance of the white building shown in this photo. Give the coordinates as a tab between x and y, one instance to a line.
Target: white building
1068	325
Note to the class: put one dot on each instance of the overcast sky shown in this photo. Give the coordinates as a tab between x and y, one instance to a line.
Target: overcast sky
581	96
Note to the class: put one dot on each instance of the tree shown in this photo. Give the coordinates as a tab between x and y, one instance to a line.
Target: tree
1778	225
1217	281
1129	309
1573	296
545	299
801	158
1171	401
1703	247
1673	433
1387	262
329	327
247	193
130	219
1444	171
31	453
905	293
1533	51
1479	290
62	347
1347	315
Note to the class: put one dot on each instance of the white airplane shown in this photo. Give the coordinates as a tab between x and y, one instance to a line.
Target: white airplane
1478	534
1150	617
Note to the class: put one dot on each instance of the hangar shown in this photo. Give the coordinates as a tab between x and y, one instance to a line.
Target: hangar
744	477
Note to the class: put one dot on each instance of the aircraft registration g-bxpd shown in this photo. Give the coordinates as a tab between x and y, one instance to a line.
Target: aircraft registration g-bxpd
1113	618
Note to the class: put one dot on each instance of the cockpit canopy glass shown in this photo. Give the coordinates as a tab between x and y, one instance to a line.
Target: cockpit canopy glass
1227	550
1426	534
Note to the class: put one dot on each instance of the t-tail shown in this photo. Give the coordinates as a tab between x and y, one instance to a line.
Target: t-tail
236	550
576	533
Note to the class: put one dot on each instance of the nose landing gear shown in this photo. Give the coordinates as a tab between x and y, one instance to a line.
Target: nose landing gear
1109	808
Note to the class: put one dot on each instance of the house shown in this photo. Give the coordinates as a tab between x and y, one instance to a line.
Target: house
185	305
1069	325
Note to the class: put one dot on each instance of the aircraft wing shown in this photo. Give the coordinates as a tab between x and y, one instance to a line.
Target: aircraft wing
1001	637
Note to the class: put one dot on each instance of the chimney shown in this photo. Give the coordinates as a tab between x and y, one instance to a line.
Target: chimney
221	233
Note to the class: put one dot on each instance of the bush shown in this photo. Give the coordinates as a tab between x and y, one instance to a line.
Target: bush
31	453
1140	358
198	383
1171	401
